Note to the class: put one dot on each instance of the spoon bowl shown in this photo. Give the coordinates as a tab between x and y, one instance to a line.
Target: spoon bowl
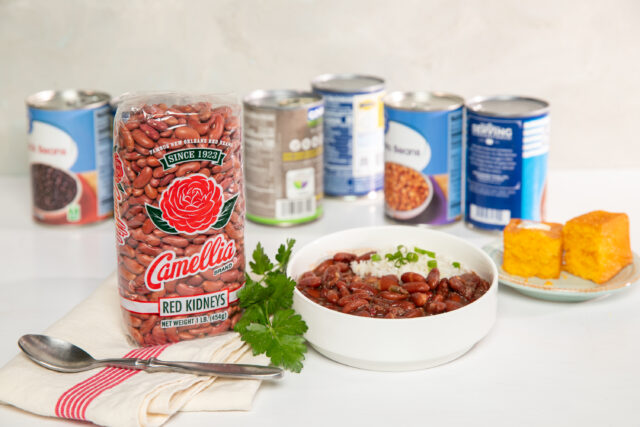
55	354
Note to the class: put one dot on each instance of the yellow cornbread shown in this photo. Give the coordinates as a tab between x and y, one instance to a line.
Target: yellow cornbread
597	245
532	248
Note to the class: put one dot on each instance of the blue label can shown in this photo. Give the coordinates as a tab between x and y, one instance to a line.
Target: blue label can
423	157
70	156
506	166
353	133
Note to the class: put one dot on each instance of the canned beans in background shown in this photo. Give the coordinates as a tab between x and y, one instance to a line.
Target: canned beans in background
423	157
507	150
283	148
353	134
179	215
70	156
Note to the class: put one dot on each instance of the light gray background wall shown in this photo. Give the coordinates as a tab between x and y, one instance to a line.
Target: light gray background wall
584	57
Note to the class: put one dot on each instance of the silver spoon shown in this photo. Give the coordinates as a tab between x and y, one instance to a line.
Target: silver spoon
62	356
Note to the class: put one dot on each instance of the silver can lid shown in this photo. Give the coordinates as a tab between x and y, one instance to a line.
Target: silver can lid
68	99
423	101
508	106
347	83
284	99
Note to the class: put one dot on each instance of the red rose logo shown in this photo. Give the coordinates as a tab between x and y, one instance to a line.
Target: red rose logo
191	204
118	169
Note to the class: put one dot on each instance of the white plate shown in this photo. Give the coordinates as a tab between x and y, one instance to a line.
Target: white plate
395	344
567	287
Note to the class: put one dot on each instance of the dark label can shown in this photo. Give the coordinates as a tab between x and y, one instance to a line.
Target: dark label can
506	168
423	157
353	133
283	156
70	156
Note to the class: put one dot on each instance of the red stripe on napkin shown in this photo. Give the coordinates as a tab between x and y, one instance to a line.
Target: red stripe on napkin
74	402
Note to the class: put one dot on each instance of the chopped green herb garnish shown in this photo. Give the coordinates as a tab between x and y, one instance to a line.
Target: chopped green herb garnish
269	324
456	264
375	257
432	263
425	252
412	257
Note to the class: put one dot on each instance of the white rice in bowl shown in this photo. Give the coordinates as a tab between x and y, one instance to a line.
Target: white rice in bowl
384	266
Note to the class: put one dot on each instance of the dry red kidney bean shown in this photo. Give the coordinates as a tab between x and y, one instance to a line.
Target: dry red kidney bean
151	204
387	297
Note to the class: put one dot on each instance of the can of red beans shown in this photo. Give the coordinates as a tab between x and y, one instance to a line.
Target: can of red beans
70	156
423	157
179	208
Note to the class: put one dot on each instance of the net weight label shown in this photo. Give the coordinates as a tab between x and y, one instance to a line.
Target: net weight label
193	321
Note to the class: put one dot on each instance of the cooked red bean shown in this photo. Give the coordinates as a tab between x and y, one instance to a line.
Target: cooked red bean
412	277
334	285
388	281
344	257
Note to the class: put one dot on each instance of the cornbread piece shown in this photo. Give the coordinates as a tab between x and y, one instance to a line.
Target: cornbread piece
532	248
597	245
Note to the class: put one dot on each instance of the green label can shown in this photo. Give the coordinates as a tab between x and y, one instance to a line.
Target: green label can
283	156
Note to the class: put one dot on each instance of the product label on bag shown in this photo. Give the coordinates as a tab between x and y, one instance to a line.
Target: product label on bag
195	304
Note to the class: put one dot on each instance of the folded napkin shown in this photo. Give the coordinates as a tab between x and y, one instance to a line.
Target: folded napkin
122	397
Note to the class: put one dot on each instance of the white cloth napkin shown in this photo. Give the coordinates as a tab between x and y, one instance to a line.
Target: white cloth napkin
120	397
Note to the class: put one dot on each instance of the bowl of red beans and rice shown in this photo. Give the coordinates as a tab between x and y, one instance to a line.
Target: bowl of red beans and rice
394	298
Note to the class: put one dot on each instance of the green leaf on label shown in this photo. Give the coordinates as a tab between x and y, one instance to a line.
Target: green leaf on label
120	187
225	213
155	215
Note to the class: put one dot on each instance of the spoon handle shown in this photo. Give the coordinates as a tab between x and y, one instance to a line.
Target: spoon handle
227	370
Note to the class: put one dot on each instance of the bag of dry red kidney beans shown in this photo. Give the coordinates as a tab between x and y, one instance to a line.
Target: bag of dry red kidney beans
179	211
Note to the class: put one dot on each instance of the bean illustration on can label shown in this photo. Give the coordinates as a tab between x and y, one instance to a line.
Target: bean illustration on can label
179	216
423	157
70	156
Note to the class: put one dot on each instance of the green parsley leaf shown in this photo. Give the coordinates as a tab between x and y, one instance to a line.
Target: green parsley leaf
375	257
268	323
432	263
252	293
281	340
455	264
280	292
262	263
283	255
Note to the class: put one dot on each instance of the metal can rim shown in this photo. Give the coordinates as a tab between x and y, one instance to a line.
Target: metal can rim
324	78
387	100
252	97
478	99
39	99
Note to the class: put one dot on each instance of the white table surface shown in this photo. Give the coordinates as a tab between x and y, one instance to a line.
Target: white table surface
543	363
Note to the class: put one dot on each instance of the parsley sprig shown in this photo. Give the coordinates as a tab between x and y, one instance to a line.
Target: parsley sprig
269	324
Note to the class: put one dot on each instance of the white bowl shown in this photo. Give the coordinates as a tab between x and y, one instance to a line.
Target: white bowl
395	344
